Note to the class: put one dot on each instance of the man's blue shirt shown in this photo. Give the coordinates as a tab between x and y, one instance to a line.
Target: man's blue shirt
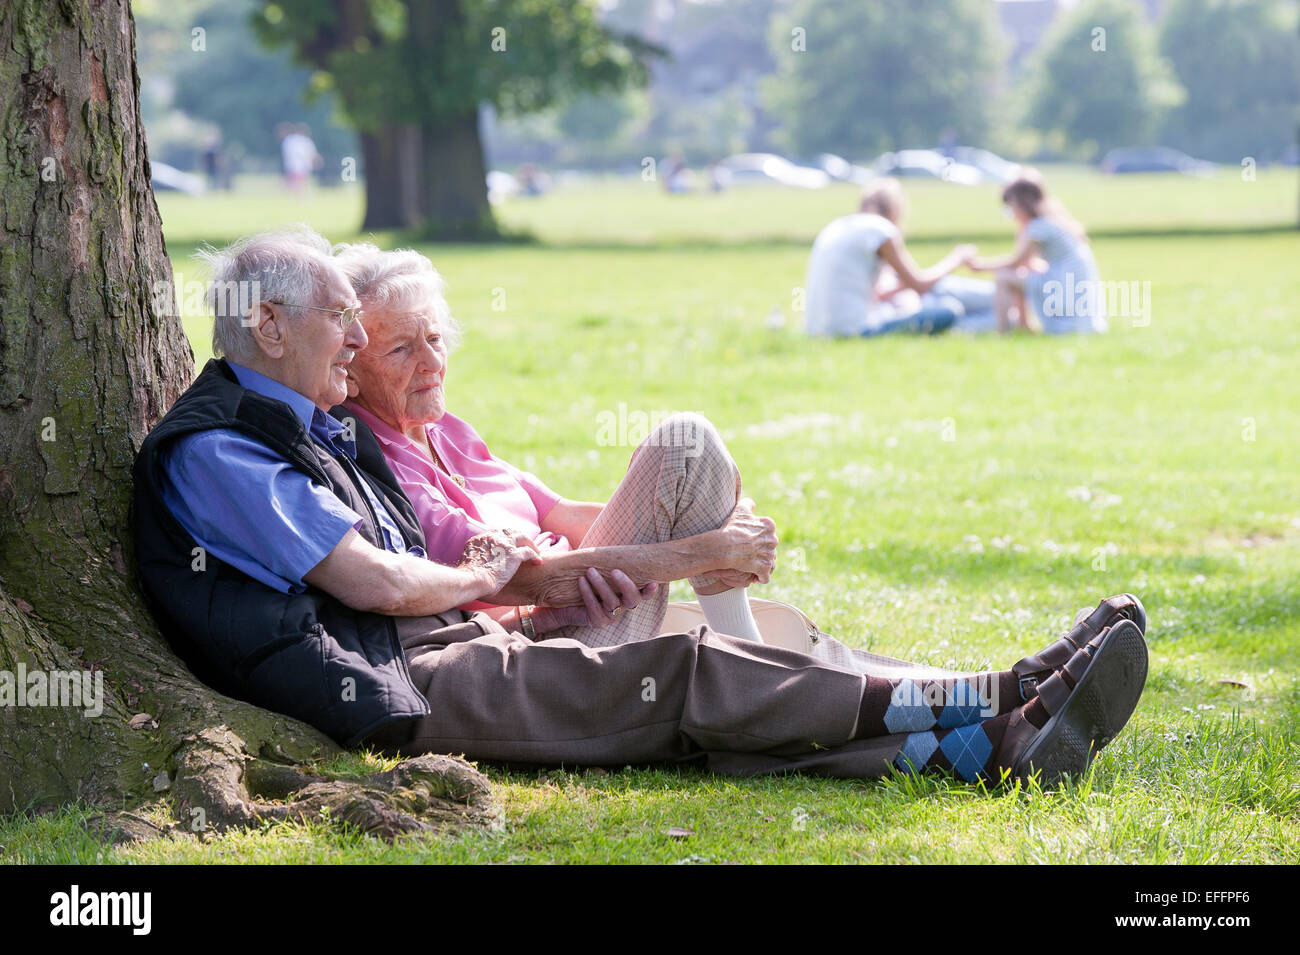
246	506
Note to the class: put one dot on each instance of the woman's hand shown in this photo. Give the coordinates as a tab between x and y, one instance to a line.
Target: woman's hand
495	558
749	548
601	603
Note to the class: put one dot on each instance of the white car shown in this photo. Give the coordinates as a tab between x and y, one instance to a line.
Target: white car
837	167
927	162
993	166
501	186
164	177
745	168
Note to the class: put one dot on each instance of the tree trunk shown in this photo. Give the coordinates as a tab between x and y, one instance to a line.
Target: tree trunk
392	170
455	179
92	352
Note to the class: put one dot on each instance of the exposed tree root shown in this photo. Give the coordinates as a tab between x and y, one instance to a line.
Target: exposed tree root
218	786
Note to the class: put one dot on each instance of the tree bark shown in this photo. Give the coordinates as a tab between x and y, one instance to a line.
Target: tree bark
392	173
92	352
455	179
454	176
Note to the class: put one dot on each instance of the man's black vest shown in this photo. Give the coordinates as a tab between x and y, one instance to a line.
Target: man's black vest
306	655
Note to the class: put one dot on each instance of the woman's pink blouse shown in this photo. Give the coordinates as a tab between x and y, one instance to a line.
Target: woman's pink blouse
497	495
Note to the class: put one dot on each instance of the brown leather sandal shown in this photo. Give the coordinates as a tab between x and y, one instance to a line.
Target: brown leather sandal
1089	700
1038	667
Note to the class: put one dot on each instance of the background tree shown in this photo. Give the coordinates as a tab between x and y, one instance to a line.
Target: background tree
1097	81
858	78
412	75
246	90
1230	111
703	98
91	354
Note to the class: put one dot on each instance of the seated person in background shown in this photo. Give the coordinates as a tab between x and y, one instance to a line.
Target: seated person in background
1051	268
845	261
314	598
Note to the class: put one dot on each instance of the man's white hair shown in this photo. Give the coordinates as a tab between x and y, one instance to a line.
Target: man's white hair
286	266
401	281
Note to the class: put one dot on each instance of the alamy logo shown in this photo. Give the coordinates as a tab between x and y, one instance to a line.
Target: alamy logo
626	427
1094	299
978	695
75	907
80	689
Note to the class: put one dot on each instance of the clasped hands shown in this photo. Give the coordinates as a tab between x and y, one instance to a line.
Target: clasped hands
741	552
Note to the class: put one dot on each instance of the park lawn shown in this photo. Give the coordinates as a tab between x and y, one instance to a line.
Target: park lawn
952	500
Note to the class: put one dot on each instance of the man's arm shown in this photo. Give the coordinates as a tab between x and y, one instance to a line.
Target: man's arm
365	577
746	544
894	254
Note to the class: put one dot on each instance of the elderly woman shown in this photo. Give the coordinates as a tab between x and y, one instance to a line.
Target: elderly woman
677	514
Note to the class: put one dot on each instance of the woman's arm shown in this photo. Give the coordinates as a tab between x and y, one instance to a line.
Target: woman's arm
746	544
554	582
1025	249
894	254
601	600
571	520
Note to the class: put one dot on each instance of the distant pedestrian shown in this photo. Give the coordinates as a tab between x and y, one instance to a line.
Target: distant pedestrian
298	157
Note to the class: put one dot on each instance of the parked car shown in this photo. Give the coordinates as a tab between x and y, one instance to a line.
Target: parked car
927	162
837	167
165	178
501	186
1154	159
767	168
993	166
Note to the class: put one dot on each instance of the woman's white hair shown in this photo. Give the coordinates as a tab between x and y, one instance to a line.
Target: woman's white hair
285	266
401	281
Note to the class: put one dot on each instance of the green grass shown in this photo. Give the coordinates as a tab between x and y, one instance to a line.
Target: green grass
1079	468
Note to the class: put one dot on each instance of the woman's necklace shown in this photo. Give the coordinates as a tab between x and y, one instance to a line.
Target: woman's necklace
437	458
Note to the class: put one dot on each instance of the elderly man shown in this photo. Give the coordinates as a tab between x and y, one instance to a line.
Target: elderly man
287	567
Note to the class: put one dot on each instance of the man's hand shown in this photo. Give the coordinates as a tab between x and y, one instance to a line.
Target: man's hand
601	602
520	539
366	577
965	253
496	557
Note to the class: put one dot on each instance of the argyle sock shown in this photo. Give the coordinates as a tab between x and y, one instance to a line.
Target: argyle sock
968	752
909	706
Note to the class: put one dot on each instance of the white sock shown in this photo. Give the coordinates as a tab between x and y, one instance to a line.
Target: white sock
728	612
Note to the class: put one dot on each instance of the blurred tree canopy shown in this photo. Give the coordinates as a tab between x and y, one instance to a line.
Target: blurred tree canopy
411	75
857	78
1097	81
214	86
404	83
1240	64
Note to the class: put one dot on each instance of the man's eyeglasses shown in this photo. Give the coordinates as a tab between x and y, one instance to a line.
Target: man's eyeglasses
346	316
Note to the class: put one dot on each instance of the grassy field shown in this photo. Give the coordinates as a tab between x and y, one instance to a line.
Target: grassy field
952	500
